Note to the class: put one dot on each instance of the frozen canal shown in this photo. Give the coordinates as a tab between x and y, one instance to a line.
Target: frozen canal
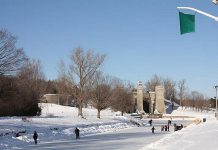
131	139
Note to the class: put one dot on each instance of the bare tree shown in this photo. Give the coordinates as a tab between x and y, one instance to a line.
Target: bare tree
11	57
187	101
101	92
181	91
32	75
30	81
195	100
65	82
194	95
200	100
84	65
122	99
8	93
153	82
169	88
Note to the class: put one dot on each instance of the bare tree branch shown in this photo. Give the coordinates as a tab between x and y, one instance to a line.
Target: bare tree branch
11	58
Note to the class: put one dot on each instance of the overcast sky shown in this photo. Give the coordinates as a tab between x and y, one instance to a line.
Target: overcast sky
140	37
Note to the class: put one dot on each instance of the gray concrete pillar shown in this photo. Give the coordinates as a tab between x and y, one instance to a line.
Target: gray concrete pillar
160	105
140	98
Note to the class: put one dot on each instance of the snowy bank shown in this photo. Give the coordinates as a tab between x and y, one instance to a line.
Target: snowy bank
57	123
199	137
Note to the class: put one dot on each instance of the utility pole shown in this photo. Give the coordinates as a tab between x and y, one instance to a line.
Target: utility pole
216	95
216	113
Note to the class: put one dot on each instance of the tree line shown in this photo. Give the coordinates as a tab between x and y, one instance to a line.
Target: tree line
19	79
23	83
178	91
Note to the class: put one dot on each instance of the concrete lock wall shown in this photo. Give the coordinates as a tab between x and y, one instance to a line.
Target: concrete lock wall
160	105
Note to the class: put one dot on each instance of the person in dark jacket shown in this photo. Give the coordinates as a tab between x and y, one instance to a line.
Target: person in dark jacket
165	127
35	137
152	129
162	128
169	122
150	122
77	133
175	127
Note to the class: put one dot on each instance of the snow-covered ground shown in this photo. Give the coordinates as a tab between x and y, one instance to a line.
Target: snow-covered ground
57	123
194	137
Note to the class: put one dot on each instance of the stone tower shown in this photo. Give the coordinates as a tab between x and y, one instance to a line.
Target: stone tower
140	98
160	105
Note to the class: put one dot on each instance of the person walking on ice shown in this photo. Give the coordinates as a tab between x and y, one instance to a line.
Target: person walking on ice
162	128
77	133
35	137
152	129
169	122
150	122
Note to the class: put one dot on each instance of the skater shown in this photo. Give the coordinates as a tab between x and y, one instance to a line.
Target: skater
150	122
175	127
35	136
169	122
152	129
168	128
162	128
165	127
77	133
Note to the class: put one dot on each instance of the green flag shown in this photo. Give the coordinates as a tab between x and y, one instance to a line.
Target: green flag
187	23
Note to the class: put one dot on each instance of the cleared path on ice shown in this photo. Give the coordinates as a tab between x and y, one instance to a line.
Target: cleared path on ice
131	139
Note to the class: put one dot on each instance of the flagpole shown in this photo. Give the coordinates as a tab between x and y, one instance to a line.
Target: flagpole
200	12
